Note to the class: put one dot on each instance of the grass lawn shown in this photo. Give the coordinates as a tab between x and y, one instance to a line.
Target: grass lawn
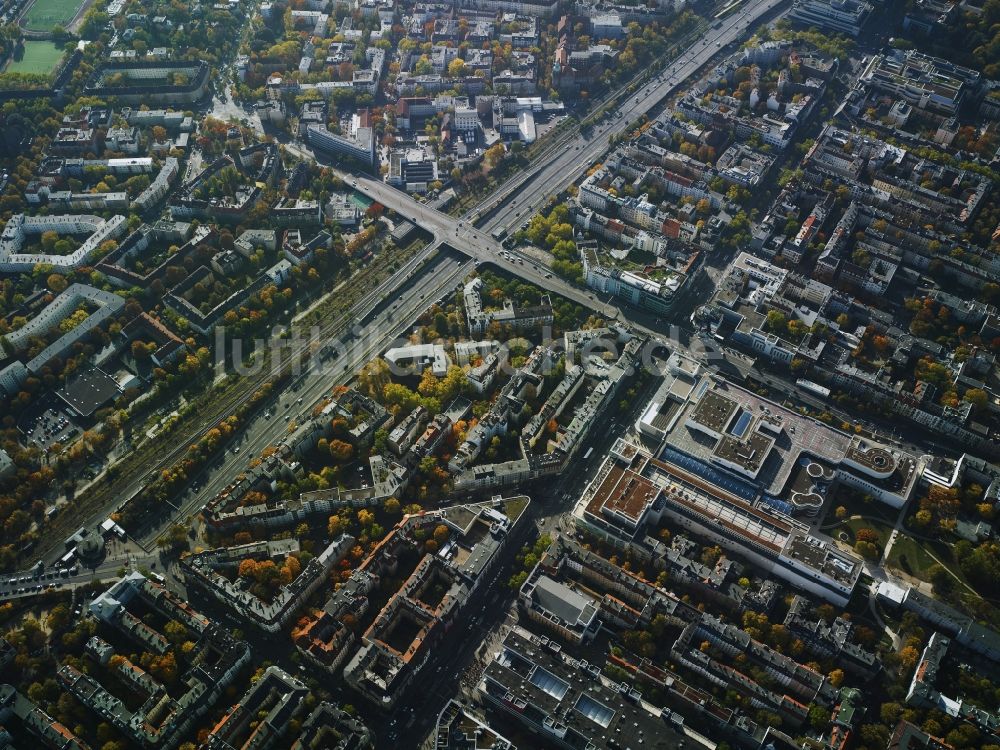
874	516
516	507
44	14
853	525
39	57
860	515
918	556
910	556
857	507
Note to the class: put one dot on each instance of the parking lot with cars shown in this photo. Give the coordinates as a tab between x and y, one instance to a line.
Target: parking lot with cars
48	427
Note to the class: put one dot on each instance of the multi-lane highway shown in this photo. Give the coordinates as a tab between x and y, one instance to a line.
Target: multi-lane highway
366	339
385	312
475	242
27	584
552	175
555	172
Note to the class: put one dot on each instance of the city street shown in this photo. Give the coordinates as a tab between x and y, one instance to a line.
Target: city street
492	611
25	584
569	161
386	313
552	176
318	379
575	375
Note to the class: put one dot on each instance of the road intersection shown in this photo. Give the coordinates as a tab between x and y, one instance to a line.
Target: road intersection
384	312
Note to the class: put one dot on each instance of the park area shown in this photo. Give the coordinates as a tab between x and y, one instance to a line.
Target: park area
937	557
39	57
44	14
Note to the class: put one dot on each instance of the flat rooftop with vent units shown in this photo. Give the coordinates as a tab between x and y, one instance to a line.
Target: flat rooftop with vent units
530	679
719	429
634	490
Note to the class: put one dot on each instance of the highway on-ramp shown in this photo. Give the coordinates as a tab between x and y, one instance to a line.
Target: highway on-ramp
476	242
391	307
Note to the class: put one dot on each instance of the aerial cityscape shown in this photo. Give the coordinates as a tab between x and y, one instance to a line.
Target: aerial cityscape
499	374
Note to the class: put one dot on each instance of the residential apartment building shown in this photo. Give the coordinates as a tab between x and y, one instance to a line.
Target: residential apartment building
20	227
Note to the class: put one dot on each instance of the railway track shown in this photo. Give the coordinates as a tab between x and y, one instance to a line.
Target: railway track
371	348
117	492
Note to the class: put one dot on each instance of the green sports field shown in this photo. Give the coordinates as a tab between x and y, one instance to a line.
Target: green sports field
39	57
44	14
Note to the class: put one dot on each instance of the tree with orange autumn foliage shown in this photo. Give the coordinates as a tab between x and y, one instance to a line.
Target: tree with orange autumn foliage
248	568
